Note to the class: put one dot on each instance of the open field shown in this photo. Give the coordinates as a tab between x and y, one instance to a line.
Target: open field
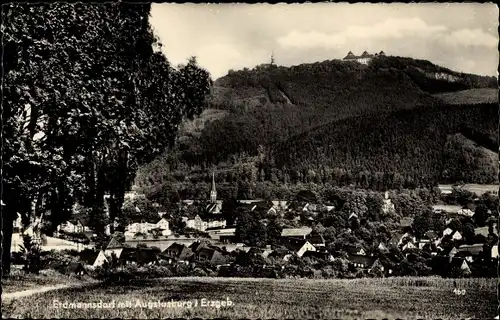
472	96
407	298
478	189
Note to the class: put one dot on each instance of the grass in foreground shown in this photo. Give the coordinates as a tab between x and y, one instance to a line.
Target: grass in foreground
18	280
407	298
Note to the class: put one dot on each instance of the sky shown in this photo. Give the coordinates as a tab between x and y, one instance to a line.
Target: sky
459	36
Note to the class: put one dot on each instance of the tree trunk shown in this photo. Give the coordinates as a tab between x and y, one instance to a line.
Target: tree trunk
7	229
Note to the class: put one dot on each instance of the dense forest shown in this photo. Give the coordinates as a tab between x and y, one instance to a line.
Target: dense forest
377	126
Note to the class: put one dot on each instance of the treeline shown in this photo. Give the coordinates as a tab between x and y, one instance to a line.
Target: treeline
338	88
341	85
417	69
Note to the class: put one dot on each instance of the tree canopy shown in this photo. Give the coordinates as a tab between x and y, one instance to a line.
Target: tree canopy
88	97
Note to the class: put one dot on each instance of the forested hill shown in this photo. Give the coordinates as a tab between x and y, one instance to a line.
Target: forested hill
417	147
347	88
335	121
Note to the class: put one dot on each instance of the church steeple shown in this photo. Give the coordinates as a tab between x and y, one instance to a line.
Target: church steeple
213	191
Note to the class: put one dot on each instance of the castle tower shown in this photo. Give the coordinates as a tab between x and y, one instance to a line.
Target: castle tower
213	191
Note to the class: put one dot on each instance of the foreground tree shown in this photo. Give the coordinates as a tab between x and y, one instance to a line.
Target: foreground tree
88	97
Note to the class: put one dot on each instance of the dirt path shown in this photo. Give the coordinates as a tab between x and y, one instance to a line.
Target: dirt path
30	292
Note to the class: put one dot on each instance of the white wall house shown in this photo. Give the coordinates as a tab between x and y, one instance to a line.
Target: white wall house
447	231
387	206
164	225
306	247
136	227
18	222
196	223
100	260
456	236
494	251
71	227
217	224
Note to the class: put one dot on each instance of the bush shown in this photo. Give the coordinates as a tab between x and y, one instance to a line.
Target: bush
198	272
131	272
328	273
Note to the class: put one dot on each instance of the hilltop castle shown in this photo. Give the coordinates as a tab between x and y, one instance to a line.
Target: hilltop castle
364	58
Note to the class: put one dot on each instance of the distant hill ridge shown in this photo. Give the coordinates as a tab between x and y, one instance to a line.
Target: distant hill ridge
321	83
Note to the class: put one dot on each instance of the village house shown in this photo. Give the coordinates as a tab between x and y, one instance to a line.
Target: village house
107	228
72	227
17	224
355	250
319	254
93	258
196	223
444	266
114	247
407	246
163	225
353	216
140	256
329	207
466	212
362	261
201	225
494	251
74	268
447	231
382	247
214	208
387	205
316	239
446	209
266	252
296	233
428	238
178	253
405	238
405	223
395	238
298	246
310	207
449	252
279	205
456	235
138	227
470	252
224	235
210	255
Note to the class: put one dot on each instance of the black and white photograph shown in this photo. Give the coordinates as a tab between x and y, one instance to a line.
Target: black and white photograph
250	161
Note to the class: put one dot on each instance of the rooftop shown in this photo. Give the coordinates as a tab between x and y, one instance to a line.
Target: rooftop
296	232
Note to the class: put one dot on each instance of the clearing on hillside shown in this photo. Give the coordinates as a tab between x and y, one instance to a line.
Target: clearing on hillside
472	96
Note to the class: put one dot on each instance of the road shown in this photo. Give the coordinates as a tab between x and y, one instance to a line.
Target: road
30	292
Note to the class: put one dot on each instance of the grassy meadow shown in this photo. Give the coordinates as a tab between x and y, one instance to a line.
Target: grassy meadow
407	298
20	281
